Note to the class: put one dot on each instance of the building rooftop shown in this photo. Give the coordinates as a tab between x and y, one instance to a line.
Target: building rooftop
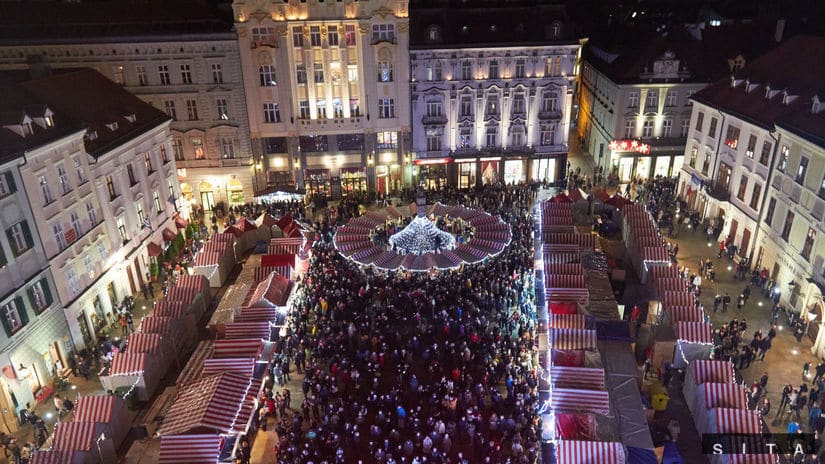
778	88
77	99
435	24
50	21
629	55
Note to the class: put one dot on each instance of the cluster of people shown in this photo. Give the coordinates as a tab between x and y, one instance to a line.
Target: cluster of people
417	367
728	344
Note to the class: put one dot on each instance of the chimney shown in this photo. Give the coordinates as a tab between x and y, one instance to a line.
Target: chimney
780	30
38	66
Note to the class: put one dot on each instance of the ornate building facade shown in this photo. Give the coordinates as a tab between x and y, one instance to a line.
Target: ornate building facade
327	92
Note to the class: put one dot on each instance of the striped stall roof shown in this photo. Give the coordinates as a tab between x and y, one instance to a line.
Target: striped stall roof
190	449
157	324
53	456
664	272
143	343
570	400
562	258
266	220
249	406
173	309
245	366
78	436
186	295
269	293
568	321
210	403
730	420
577	377
567	294
192	370
285	245
257	315
724	395
694	332
560	248
245	224
754	458
128	363
671	284
192	281
261	273
685	314
222	237
589	452
683	298
96	408
586	241
705	370
208	258
239	348
235	330
565	281
657	253
563	268
573	339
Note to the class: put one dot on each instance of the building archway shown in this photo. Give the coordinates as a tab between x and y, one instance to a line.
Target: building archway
207	196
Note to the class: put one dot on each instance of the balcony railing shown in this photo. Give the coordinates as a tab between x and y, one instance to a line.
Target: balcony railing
434	119
554	114
719	192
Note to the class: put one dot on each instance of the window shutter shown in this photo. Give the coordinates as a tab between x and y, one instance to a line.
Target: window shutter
3	261
47	291
6	325
30	293
27	233
10	182
12	243
21	311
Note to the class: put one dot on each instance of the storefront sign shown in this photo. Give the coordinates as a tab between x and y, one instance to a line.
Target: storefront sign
432	161
629	145
466	160
694	179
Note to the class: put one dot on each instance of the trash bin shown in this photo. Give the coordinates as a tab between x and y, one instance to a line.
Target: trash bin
659	401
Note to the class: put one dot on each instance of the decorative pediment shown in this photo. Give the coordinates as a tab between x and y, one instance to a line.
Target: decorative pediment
382	11
259	15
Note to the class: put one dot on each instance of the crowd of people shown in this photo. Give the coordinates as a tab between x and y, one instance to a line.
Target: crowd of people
416	367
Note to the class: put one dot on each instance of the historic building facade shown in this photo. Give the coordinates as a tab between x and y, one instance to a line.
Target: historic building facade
327	92
486	110
185	62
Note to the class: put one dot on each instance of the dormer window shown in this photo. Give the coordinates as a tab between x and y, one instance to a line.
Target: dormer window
91	135
131	117
112	126
27	129
433	34
787	98
49	120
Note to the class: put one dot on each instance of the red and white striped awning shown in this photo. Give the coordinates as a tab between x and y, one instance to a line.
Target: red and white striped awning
685	314
705	370
580	295
567	321
79	436
573	339
198	282
657	254
566	281
694	332
173	309
208	258
186	295
128	363
560	248
565	269
222	237
53	456
558	229
572	400
589	452
586	241
257	315
144	343
97	408
724	395
248	407
550	221
743	421
245	366
672	284
269	293
683	298
664	272
262	273
753	458
650	241
190	449
577	377
239	348
209	403
157	324
572	257
235	330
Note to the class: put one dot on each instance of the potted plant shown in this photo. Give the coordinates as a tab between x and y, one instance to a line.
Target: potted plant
153	271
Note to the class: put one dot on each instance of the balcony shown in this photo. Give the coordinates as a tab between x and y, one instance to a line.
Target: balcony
552	114
435	119
719	192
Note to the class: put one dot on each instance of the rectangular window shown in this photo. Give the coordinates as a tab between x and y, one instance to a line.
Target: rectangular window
297	36
647	128
387	139
548	135
197	148
492	104
548	66
466	70
433	142
549	102
809	244
683	132
71	279
217	73
385	71
40	295
59	236
121	230
156	202
519	68
192	109
732	137
301	74
271	113
163	156
354	107
466	107
177	148
652	99
802	170
20	238
692	158
751	146
770	211
170	109
117	75
222	108
89	265
629	128
147	161
7	185
140	71
493	73
518	104
140	215
266	73
45	190
81	175
492	136
321	108
383	33
227	147
706	164
433	108
303	107
465	138
743	187
670	98
712	128
765	156
700	121
352	72
349	34
633	99
12	312
757	190
786	229
76	226
821	192
315	36
130	171
386	108
90	211
667	128
783	158
332	36
264	35
185	74
63	179
318	72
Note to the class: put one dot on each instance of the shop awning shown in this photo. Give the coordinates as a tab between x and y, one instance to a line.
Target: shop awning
568	321
168	235
577	377
172	309
245	366
240	330
190	449
53	456
245	224
569	399
238	348
262	273
97	408
79	436
257	315
269	293
573	339
210	404
182	294
180	222
128	364
157	324
154	249
589	452
724	395
144	343
694	332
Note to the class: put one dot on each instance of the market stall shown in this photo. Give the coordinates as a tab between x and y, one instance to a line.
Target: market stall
191	449
694	341
704	371
107	410
152	344
133	370
215	261
716	395
52	456
589	452
86	439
